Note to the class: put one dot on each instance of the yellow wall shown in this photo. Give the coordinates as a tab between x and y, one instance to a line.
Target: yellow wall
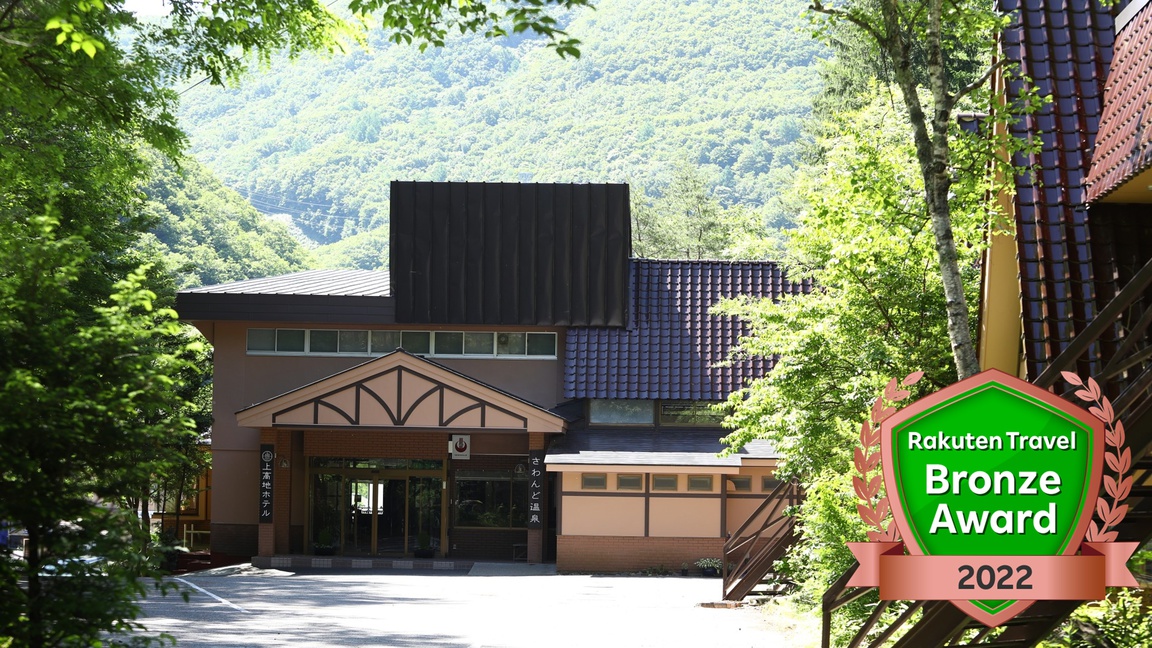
999	344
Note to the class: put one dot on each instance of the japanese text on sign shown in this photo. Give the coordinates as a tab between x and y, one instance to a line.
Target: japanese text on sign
535	489
267	454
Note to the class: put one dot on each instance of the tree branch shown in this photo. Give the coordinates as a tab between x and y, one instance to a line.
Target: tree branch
12	4
979	81
819	7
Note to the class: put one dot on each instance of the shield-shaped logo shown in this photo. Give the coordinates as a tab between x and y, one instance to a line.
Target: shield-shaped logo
992	466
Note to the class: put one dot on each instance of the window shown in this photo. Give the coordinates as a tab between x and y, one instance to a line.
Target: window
477	344
385	341
541	344
449	343
510	344
353	341
290	341
491	498
630	482
593	481
261	340
376	463
700	483
324	341
485	344
689	413
741	484
768	484
665	482
627	412
417	342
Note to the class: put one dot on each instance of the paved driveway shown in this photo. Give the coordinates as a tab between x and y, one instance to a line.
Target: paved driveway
491	606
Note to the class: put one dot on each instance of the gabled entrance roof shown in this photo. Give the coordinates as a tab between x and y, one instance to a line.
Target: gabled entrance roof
400	390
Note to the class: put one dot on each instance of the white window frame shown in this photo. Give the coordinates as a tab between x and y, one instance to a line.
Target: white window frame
371	352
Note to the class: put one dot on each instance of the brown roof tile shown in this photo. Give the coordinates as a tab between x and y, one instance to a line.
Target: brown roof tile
1124	144
1064	48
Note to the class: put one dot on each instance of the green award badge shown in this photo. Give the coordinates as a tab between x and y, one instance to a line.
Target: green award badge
992	484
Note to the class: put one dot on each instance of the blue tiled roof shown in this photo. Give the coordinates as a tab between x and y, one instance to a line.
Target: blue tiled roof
672	345
626	446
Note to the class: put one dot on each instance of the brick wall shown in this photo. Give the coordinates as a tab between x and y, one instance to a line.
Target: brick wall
485	544
624	554
358	443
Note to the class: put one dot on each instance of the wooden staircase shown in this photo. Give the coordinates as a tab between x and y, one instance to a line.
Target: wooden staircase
1115	348
762	540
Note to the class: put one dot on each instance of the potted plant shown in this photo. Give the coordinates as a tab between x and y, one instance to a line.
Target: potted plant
709	566
324	545
684	569
426	499
423	546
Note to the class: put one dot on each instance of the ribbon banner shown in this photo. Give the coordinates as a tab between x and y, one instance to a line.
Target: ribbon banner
902	577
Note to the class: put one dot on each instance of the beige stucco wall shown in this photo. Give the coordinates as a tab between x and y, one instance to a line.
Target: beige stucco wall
739	508
682	517
241	380
611	512
683	526
607	516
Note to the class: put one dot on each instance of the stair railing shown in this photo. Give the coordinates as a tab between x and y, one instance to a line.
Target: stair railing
763	538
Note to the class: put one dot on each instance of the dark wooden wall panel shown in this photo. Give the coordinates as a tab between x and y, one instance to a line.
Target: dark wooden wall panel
512	254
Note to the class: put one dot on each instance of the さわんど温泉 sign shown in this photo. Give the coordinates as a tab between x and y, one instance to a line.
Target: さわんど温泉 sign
992	484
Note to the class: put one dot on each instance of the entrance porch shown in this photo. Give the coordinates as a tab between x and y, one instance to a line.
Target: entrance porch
400	459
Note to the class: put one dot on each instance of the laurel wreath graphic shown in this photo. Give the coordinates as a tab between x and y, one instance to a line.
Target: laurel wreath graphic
874	508
1118	458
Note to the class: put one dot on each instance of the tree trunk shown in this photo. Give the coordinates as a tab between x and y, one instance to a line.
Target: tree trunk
183	478
932	153
145	520
36	637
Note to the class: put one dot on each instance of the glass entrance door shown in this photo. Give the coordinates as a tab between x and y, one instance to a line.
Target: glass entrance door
390	516
359	511
327	511
424	498
393	510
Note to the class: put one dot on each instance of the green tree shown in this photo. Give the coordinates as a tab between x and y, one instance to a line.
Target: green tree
90	371
923	45
877	312
206	233
363	251
86	401
688	222
499	110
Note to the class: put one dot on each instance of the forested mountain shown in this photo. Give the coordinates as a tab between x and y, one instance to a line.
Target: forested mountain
207	234
720	84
